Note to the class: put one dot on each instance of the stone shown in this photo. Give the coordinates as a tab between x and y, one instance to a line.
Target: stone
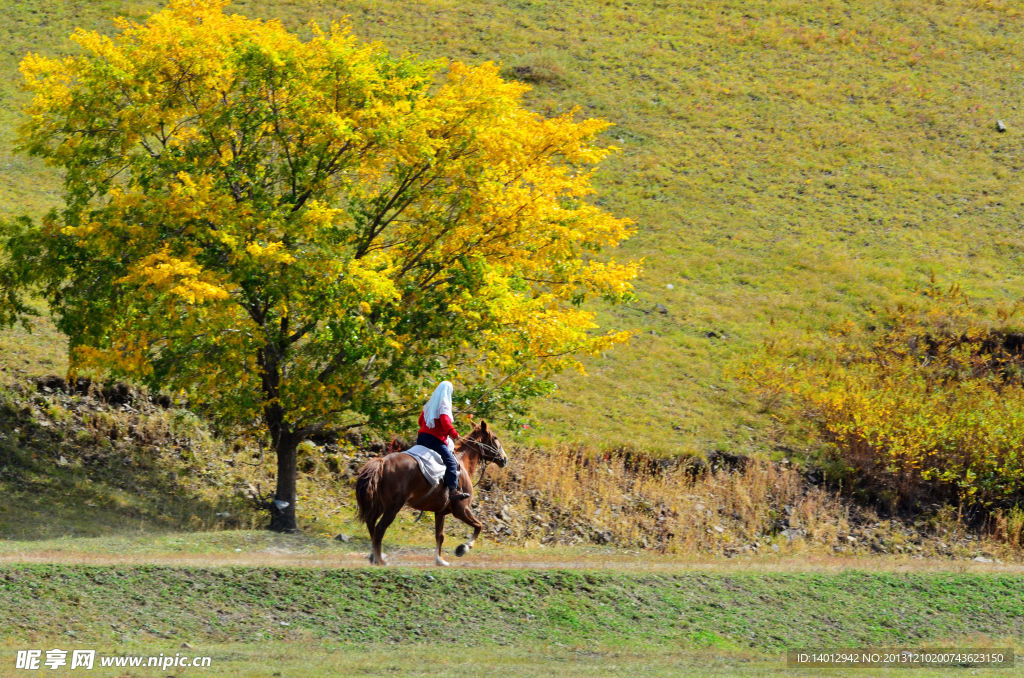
1000	125
792	533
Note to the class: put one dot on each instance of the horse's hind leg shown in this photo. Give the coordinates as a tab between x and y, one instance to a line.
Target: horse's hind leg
463	512
439	536
371	525
385	521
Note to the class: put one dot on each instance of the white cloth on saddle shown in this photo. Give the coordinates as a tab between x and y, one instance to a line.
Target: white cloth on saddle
430	462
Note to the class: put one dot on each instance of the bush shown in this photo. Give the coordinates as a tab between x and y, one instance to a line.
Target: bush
925	404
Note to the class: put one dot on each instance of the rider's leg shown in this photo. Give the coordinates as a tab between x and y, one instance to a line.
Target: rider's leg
451	475
451	465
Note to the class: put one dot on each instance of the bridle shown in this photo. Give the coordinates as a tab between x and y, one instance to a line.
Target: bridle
495	455
495	452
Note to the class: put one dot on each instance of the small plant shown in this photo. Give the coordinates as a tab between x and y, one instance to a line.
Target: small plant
1008	527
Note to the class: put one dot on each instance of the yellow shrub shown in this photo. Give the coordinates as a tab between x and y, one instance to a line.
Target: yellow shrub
930	404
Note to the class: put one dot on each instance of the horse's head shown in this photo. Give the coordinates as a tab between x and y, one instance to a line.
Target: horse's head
483	440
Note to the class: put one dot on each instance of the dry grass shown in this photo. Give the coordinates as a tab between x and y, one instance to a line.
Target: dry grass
1008	527
761	507
676	510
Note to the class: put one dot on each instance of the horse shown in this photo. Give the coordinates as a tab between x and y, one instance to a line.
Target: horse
386	484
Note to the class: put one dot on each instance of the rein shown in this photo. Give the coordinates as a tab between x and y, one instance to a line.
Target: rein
481	444
484	460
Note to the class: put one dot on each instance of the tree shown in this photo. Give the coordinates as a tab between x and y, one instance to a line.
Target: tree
307	234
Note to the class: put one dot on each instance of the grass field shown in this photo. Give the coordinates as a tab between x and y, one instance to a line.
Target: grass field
296	621
789	164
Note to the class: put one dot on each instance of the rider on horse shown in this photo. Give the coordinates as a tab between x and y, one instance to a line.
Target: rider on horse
435	427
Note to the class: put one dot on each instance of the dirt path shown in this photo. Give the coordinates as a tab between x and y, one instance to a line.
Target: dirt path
423	558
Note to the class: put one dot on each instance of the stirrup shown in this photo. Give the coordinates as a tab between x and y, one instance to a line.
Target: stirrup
457	495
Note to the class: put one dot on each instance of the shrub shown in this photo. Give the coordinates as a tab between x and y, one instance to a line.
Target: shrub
925	403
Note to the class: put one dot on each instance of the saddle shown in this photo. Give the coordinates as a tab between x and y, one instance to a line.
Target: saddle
429	461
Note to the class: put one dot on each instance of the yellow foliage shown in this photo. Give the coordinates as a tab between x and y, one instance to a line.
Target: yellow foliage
181	277
315	226
931	404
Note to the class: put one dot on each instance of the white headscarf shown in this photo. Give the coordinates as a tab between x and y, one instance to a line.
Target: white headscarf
440	403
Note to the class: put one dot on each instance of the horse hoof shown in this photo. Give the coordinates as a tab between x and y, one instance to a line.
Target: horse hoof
442	562
461	550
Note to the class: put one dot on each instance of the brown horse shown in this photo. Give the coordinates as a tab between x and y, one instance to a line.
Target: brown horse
386	484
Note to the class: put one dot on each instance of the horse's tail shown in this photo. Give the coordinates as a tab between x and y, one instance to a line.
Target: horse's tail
367	490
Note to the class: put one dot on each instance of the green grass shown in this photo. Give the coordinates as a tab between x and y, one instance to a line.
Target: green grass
313	659
788	164
604	621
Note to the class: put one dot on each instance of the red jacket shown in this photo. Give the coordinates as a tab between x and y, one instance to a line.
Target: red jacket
442	427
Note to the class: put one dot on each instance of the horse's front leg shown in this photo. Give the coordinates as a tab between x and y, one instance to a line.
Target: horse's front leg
463	512
439	536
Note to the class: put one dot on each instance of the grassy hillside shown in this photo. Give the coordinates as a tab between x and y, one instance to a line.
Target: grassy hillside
788	163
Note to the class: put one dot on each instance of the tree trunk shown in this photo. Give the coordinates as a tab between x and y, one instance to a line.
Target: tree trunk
282	508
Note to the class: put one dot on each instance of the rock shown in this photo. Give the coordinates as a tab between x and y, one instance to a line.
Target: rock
186	646
670	286
793	533
661	308
982	559
343	538
1000	125
724	461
